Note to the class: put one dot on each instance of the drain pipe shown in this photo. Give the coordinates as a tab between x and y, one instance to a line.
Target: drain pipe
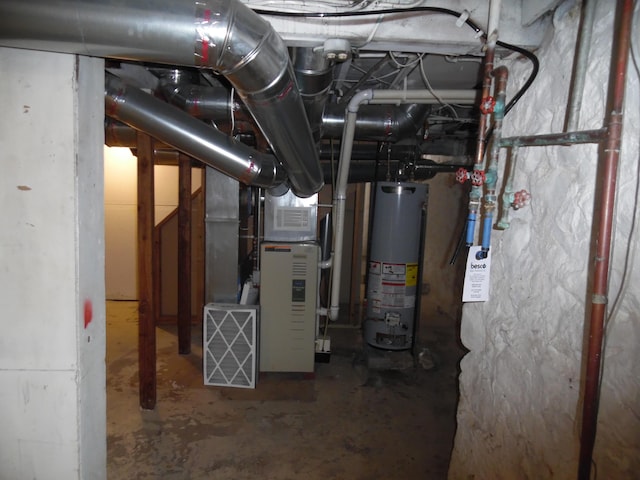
223	35
189	135
501	74
340	193
609	158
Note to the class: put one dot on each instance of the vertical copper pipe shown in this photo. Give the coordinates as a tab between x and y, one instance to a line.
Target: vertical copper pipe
476	190
609	157
487	81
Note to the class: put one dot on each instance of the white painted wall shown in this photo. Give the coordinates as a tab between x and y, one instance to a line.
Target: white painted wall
52	370
120	214
518	415
120	204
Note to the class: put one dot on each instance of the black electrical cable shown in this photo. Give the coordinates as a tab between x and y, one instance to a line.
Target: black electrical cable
526	53
445	11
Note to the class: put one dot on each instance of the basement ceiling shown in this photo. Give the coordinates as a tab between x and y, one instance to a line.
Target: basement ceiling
412	49
171	49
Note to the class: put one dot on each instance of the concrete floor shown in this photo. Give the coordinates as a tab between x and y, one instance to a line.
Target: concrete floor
349	422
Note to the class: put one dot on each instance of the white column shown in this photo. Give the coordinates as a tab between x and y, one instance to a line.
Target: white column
52	318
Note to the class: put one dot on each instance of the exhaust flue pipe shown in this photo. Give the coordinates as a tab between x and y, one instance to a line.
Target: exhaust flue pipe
383	123
179	87
188	134
314	74
224	35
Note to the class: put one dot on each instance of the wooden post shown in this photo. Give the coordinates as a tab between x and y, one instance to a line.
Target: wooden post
146	305
184	254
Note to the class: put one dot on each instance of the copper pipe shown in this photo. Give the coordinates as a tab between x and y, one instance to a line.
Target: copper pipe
609	158
501	75
476	190
568	138
486	93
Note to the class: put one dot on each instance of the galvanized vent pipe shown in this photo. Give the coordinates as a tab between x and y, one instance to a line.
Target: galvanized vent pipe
314	74
188	134
384	123
224	35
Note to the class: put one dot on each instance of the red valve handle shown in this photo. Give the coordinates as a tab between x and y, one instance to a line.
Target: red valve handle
521	199
487	105
462	175
477	178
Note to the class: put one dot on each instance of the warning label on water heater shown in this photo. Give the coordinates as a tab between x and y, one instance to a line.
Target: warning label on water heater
388	284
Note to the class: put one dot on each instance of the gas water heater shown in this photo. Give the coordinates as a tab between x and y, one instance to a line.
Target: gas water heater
394	264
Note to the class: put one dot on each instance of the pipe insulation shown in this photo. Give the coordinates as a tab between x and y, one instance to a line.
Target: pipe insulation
189	135
224	35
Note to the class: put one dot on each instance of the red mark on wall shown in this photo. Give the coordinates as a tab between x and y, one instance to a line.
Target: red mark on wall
88	313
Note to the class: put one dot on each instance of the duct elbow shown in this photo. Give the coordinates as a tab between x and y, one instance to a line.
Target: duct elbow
253	57
185	133
269	175
410	118
224	35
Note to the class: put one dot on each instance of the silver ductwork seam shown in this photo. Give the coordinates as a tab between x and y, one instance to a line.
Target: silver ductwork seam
180	88
188	134
383	123
314	75
224	35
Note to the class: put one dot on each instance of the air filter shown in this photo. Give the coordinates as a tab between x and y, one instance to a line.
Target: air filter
230	345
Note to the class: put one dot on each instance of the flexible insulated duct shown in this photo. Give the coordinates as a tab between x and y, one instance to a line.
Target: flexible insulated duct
223	35
186	133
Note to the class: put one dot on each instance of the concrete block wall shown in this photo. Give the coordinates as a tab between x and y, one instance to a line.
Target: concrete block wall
52	346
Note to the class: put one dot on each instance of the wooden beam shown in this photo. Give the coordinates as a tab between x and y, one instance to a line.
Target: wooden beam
184	255
146	304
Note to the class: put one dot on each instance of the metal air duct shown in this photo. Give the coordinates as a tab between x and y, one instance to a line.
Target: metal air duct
224	35
205	102
384	123
188	134
314	74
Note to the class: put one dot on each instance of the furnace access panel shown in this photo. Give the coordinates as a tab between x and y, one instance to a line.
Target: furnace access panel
288	299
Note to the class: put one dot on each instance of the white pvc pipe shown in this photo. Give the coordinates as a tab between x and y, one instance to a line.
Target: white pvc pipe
494	20
422	96
340	193
340	196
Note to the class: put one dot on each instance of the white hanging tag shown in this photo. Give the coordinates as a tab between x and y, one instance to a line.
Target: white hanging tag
477	276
